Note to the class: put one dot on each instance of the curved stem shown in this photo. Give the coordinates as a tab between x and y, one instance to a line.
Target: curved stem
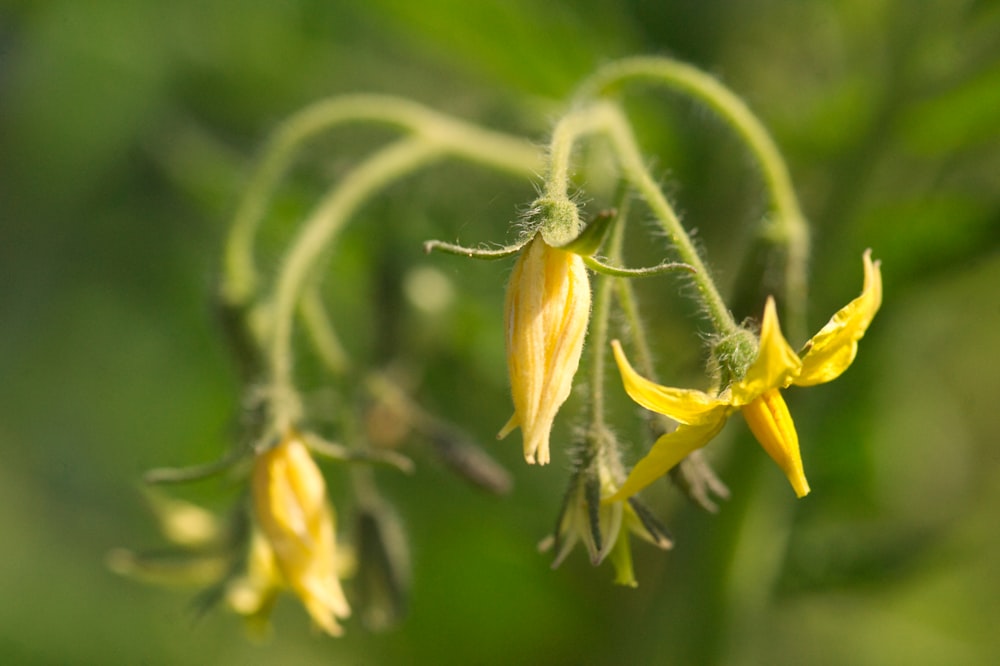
598	343
324	337
314	238
565	135
605	118
788	227
601	316
446	138
635	170
471	142
627	301
694	475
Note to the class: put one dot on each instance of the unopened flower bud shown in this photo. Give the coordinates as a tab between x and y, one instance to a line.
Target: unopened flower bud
545	319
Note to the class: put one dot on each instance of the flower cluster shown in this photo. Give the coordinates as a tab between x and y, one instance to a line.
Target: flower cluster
284	537
546	314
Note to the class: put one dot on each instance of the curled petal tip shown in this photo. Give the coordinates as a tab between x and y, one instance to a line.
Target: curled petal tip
829	353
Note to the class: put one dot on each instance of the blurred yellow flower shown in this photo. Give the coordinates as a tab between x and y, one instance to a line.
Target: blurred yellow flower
294	543
545	318
777	366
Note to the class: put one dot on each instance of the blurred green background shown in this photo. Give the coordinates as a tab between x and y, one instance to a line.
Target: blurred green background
127	129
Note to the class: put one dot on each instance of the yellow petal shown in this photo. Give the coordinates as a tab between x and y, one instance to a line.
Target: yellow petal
776	364
509	427
772	425
666	452
686	406
833	349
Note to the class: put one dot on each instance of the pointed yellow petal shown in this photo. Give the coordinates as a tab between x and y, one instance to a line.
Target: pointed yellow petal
509	427
776	365
832	350
682	405
666	452
772	425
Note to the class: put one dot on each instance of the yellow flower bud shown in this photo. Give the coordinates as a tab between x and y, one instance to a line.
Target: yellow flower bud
545	319
297	523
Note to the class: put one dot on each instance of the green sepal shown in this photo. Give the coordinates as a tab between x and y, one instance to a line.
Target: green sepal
616	271
592	237
452	446
167	475
695	477
237	545
467	459
592	496
657	532
383	577
167	566
341	453
582	471
473	252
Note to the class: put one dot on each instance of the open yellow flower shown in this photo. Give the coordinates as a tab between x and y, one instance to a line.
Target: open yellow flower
545	318
294	545
777	366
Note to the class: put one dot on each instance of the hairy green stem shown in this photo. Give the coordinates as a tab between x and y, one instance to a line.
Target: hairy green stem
567	132
403	157
598	342
471	142
315	236
635	170
601	318
787	226
605	118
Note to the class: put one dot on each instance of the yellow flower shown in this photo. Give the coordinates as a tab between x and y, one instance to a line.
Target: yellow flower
545	319
294	544
777	366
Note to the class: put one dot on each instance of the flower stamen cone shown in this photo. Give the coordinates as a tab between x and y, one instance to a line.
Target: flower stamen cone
546	311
